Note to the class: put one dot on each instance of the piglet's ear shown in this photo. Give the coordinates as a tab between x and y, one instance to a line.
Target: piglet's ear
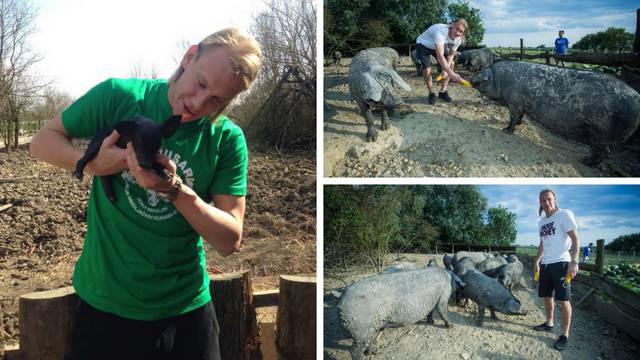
170	126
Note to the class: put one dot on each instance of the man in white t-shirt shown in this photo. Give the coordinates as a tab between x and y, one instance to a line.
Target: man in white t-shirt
441	41
558	233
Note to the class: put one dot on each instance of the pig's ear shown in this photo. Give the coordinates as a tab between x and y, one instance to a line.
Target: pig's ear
126	127
170	126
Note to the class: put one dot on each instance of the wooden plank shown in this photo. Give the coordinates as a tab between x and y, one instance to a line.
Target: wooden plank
265	298
624	299
611	313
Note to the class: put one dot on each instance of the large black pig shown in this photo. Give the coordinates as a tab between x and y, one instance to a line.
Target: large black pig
593	108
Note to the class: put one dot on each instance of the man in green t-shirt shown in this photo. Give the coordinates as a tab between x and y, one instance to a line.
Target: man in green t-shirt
141	276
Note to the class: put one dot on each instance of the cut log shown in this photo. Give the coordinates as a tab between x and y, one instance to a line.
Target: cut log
46	323
296	318
233	300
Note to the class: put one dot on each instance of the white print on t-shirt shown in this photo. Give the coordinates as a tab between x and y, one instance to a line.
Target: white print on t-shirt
146	202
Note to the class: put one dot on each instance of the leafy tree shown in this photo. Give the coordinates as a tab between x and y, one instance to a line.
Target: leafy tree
457	210
462	9
360	222
416	232
612	39
351	26
630	242
501	227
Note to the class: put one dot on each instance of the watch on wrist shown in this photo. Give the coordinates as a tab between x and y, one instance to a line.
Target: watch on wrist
175	189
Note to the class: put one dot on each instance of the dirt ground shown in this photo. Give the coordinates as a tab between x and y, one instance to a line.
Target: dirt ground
463	138
41	235
509	338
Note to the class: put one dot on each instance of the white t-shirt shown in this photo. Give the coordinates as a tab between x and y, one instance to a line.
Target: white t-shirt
553	234
438	34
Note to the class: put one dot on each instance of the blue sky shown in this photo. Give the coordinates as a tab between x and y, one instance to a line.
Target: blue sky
538	22
83	42
602	211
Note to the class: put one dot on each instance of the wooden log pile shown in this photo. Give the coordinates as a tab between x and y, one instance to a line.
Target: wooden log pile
46	319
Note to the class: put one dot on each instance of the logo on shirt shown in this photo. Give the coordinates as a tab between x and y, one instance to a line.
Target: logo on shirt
146	202
547	230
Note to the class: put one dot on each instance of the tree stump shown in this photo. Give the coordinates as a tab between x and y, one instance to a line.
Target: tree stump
46	323
233	300
296	319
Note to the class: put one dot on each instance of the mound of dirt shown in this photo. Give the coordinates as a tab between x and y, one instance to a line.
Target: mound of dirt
42	231
510	337
463	138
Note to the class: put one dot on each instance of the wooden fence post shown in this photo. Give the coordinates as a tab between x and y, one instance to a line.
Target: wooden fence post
46	323
296	318
636	41
521	48
600	256
233	300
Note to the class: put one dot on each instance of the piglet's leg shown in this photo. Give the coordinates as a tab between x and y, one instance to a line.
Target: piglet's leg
108	189
385	119
515	118
92	150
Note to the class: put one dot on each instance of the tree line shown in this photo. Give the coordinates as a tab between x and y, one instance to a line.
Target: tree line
350	26
364	223
629	242
611	40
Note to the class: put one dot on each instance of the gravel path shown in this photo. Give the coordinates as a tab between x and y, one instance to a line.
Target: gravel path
510	337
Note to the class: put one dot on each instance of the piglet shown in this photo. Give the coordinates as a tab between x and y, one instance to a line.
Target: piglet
145	136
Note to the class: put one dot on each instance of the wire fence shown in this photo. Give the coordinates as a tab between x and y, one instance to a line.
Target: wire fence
610	257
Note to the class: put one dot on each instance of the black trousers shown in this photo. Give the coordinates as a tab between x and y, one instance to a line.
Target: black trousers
552	280
101	335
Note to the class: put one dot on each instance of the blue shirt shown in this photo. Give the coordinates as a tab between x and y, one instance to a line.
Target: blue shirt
562	45
586	251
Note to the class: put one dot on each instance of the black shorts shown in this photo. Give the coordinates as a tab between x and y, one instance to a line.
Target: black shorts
102	335
552	280
423	58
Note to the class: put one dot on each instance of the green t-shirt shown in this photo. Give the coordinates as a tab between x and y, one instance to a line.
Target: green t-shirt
141	259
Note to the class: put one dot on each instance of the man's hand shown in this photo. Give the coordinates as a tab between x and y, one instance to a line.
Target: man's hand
536	267
149	179
572	269
110	159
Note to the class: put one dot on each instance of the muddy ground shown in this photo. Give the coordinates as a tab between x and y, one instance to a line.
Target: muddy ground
509	338
41	234
463	138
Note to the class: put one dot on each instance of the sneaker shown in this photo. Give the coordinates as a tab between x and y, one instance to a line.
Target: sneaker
543	327
432	98
445	96
561	344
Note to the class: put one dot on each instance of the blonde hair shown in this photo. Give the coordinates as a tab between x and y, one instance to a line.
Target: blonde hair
555	199
462	21
246	55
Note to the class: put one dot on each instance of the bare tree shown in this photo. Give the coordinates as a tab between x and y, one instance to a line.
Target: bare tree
280	111
18	88
139	72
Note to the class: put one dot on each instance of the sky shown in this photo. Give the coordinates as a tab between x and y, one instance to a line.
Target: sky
602	211
538	22
84	42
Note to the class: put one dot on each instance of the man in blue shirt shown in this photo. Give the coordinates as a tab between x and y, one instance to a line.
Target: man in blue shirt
586	252
561	46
